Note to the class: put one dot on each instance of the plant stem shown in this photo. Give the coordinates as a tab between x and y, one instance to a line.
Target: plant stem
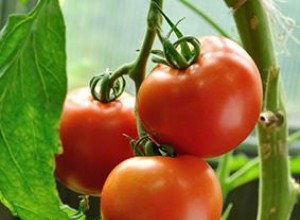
153	22
277	189
223	173
227	212
138	71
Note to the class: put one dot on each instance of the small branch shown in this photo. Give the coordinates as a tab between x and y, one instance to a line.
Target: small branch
154	20
122	70
138	70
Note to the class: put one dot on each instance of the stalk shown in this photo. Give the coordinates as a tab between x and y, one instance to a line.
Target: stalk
153	22
138	72
223	173
277	190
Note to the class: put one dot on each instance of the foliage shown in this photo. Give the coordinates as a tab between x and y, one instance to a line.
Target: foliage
32	85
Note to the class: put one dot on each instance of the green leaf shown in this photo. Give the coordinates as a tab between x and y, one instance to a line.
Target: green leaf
295	165
245	174
247	170
237	161
32	90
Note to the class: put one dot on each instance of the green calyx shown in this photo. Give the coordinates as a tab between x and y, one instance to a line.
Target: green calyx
147	146
186	55
105	88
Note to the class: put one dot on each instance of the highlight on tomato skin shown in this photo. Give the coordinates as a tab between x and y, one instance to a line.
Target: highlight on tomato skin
157	187
208	108
92	136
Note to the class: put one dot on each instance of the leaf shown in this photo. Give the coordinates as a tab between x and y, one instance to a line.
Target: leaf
237	161
295	165
245	170
32	90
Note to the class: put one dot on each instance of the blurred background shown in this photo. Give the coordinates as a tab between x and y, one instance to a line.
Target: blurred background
106	33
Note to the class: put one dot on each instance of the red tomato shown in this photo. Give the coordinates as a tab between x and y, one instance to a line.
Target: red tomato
160	188
208	108
92	139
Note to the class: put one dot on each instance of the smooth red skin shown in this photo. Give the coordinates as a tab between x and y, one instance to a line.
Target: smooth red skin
92	138
207	109
160	188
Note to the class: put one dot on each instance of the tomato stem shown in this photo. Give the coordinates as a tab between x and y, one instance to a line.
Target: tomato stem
138	69
111	82
277	189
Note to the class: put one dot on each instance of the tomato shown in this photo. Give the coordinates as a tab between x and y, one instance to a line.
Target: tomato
208	108
160	188
92	135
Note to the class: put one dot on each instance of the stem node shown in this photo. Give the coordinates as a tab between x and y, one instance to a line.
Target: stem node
270	119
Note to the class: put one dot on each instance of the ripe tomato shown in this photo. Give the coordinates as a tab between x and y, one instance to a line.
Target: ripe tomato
92	138
208	108
160	188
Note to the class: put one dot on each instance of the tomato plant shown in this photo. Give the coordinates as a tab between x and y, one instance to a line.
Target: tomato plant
92	135
183	187
208	108
205	109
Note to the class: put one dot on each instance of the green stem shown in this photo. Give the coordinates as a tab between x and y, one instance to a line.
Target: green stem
153	22
223	173
242	176
227	211
277	189
122	70
138	71
207	18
